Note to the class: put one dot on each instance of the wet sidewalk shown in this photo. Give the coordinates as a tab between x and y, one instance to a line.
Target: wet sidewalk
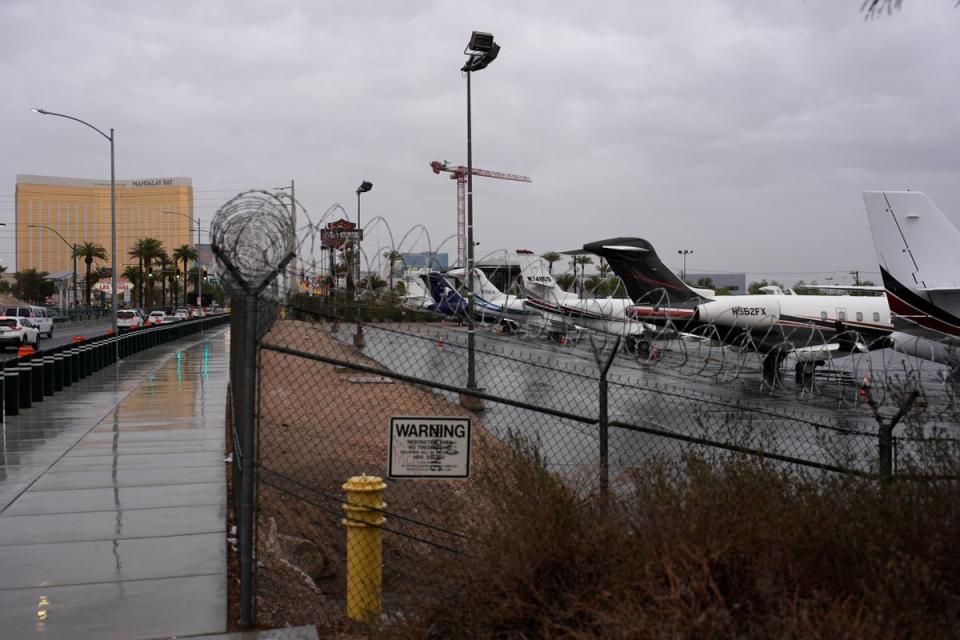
113	501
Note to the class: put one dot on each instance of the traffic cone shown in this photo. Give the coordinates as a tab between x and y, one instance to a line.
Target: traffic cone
440	343
25	351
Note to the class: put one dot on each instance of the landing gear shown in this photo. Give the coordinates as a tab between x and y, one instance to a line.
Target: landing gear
772	363
805	372
637	345
557	337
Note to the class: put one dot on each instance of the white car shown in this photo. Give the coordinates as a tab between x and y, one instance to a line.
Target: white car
161	317
18	332
128	320
182	314
41	319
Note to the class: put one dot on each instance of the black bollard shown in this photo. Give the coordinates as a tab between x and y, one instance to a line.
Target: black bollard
36	364
48	374
11	388
26	382
58	367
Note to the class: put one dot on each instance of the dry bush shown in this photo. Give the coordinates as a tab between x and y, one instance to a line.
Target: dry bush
732	549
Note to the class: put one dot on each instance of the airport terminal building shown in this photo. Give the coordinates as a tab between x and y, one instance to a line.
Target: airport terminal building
79	210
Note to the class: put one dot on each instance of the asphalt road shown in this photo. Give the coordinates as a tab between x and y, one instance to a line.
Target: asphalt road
64	335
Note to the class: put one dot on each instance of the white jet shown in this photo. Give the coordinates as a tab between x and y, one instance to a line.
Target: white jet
918	249
563	310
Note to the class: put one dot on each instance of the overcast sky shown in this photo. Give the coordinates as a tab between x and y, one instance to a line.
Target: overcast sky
744	130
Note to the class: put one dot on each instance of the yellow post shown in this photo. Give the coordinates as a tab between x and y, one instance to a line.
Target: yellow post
364	546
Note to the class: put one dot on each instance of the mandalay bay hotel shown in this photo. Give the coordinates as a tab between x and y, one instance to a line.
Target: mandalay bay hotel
55	213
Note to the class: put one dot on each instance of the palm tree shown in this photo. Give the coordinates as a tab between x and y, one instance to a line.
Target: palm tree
146	250
566	281
346	267
551	257
164	273
583	261
375	282
604	268
89	251
393	257
185	253
132	274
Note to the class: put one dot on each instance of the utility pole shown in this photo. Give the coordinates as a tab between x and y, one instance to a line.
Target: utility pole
292	286
856	278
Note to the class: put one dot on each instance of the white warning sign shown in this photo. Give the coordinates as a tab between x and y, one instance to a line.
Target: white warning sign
429	447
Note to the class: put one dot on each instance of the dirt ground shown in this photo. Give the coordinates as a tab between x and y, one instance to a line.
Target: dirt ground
319	425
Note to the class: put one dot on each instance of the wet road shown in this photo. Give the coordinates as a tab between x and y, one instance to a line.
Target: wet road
64	335
113	501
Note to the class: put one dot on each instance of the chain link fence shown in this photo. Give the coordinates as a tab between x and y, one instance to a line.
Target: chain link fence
590	416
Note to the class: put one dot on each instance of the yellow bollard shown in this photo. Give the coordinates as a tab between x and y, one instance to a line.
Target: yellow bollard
364	546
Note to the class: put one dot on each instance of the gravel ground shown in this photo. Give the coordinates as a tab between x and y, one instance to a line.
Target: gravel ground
319	426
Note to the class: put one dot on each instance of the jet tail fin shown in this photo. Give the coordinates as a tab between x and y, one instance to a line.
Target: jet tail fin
644	275
537	281
481	283
445	297
916	244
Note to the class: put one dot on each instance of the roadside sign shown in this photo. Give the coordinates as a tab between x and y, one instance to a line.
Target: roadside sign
429	447
336	238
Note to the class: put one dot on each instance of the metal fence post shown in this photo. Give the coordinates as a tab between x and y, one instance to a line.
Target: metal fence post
247	436
604	419
885	429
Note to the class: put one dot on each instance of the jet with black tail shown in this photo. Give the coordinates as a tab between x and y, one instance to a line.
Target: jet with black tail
813	328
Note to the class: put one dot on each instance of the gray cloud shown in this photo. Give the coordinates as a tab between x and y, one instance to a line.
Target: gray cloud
743	130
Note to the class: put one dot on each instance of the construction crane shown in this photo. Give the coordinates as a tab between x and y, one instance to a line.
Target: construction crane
459	173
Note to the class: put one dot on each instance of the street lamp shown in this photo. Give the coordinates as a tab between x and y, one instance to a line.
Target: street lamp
113	219
481	51
196	264
358	337
73	249
684	253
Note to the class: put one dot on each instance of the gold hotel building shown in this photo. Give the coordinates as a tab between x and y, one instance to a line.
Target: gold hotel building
79	210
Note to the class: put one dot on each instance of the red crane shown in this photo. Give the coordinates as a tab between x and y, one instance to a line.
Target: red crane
459	173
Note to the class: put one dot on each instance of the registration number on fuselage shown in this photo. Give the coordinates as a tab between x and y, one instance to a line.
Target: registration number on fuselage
748	311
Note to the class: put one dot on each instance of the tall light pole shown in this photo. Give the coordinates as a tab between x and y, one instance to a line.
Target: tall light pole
684	253
113	219
358	336
481	51
73	250
196	263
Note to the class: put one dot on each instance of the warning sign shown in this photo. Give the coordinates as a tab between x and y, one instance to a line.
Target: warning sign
429	447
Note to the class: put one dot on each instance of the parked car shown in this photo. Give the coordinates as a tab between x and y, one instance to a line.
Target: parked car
18	332
128	319
41	319
182	314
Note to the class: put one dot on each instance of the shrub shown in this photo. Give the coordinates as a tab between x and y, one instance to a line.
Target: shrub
738	548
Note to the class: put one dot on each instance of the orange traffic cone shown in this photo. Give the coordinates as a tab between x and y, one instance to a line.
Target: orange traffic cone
25	351
77	339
